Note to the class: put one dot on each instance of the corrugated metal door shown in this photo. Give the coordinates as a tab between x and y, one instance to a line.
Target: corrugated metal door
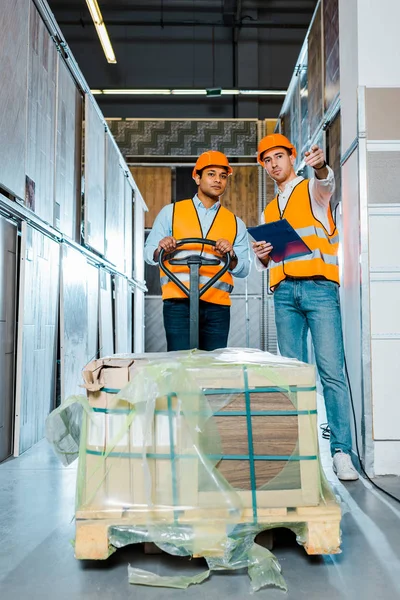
37	336
8	248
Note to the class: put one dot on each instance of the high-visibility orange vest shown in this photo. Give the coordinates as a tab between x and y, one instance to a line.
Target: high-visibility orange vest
324	244
186	224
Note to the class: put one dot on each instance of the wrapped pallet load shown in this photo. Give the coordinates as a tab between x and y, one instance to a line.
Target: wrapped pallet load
198	452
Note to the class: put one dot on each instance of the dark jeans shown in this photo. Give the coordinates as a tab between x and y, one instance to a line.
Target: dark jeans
214	320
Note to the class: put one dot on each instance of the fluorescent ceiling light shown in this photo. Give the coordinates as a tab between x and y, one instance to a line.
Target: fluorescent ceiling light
262	92
136	92
187	92
101	30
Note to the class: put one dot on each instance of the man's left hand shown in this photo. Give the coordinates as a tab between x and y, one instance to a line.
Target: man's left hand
223	246
315	157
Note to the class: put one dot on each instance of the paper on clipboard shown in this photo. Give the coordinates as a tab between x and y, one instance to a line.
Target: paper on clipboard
284	239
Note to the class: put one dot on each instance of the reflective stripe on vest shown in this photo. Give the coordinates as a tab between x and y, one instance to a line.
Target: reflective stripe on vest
330	260
186	224
185	278
323	260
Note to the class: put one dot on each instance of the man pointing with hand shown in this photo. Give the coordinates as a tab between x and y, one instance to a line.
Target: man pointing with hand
306	288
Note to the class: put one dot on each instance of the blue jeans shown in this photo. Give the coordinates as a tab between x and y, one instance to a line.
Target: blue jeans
214	321
314	304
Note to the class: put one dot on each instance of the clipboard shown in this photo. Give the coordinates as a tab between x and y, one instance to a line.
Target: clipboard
285	240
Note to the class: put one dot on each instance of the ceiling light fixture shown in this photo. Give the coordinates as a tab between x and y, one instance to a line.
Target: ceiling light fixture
127	92
187	92
101	30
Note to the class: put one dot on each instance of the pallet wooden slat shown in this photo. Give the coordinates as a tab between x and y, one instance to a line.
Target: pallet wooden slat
321	529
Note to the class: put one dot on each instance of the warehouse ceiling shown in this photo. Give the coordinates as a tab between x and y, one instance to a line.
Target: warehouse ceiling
191	44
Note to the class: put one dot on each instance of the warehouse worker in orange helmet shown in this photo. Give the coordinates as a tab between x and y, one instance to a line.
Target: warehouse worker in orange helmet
306	288
202	216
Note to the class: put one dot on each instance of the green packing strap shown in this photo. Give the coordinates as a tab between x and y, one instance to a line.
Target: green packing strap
225	413
289	388
250	445
218	457
217	391
172	455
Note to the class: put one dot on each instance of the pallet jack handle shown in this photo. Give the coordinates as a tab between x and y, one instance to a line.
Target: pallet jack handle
194	292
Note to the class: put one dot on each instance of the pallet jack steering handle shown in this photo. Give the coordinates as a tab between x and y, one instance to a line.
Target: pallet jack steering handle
194	293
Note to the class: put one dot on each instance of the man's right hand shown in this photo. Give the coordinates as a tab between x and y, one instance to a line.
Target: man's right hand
168	244
262	251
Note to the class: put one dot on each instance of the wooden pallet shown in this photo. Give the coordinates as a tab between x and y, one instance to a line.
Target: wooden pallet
321	532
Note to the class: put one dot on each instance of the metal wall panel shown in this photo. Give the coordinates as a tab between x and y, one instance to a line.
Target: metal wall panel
331	49
333	158
384	227
268	326
155	340
14	20
245	329
382	107
8	249
128	221
68	154
152	277
315	73
350	286
385	302
123	315
106	326
295	116
94	211
37	336
348	67
73	320
252	284
305	124
383	177
385	386
131	292
40	157
92	275
115	206
138	270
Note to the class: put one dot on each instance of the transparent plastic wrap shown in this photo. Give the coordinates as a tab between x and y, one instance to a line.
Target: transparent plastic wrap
198	452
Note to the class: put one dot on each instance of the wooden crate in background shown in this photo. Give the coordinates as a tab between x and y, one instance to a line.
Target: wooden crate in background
154	184
241	196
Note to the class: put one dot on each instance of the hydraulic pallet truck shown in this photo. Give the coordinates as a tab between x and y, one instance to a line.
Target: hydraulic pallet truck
194	292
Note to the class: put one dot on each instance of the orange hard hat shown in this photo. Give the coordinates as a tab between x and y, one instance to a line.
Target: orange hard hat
212	158
272	141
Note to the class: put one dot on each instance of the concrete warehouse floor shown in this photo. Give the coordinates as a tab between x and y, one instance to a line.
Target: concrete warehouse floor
37	560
